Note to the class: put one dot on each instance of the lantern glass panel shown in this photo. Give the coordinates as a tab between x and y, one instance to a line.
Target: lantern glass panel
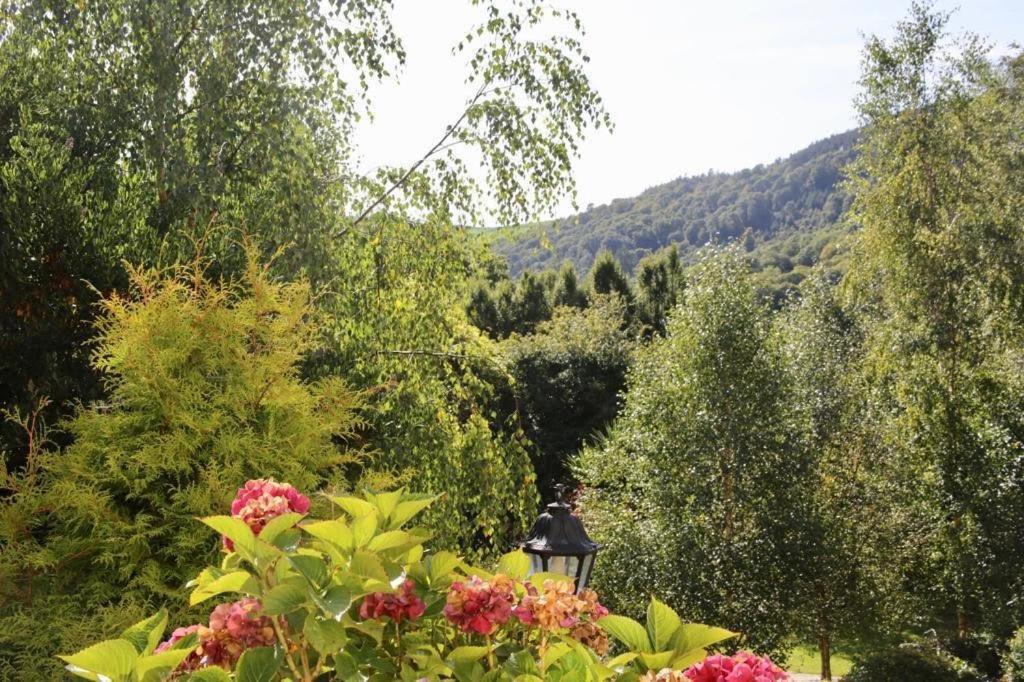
537	564
588	563
563	565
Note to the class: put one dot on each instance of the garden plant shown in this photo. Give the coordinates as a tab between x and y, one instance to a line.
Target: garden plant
356	596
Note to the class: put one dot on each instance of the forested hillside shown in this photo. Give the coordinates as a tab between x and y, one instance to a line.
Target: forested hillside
781	204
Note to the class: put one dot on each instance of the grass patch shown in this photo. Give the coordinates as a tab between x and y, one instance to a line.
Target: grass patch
805	659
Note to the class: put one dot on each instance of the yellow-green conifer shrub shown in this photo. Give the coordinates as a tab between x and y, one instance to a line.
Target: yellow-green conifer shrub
203	391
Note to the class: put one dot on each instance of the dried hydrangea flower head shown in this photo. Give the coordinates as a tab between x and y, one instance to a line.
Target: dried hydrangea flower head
480	606
401	605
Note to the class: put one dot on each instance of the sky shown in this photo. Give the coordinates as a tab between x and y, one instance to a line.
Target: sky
691	86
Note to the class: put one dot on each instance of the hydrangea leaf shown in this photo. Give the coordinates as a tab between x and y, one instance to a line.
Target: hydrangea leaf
259	664
336	532
515	564
284	598
112	660
146	634
627	631
236	581
157	667
234	529
363	529
353	506
278	525
662	624
467	654
695	636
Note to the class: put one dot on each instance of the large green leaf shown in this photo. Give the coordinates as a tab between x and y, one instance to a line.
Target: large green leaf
515	564
408	509
368	565
336	532
325	635
234	529
385	502
157	667
278	525
236	581
391	539
113	659
354	506
284	598
312	568
627	631
466	654
690	636
662	623
441	565
363	529
657	661
258	665
335	601
146	634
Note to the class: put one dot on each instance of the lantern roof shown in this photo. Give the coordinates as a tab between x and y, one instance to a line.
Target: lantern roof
556	531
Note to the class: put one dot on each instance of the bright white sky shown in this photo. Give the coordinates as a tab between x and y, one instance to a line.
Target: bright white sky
691	85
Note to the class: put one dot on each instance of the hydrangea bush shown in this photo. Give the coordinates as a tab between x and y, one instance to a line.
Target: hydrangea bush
357	597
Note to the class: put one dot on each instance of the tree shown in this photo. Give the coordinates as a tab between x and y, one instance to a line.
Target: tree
697	487
396	328
846	551
940	265
567	378
204	392
608	277
567	290
659	283
130	129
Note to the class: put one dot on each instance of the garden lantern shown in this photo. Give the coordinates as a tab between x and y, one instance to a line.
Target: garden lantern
558	543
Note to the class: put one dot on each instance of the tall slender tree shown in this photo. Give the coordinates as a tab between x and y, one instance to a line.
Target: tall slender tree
696	489
937	192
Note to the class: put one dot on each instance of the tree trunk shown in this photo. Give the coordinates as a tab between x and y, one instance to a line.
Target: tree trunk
825	649
963	623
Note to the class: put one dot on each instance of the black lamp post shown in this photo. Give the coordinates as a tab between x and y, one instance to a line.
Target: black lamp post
558	543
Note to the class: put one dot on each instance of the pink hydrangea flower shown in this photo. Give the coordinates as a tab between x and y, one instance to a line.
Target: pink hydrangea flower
192	661
742	667
400	606
263	499
480	606
244	621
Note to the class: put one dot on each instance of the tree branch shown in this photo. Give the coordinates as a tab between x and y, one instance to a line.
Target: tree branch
440	144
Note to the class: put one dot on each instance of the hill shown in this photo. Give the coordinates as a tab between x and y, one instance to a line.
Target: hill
786	212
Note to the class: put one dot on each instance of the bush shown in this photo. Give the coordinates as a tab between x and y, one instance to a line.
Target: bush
1013	660
356	597
908	664
204	391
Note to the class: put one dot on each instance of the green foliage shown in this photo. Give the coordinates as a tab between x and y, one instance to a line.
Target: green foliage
566	381
659	284
312	580
911	665
607	277
567	291
940	270
130	129
845	589
666	641
394	327
1013	659
204	389
697	486
785	205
